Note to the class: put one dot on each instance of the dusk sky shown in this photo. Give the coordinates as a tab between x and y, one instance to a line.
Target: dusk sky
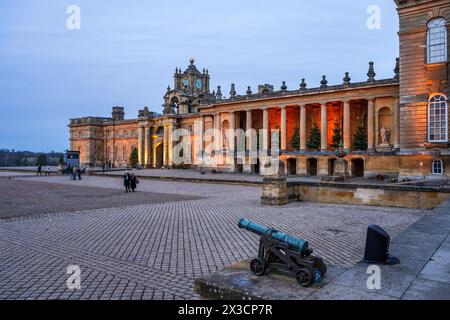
126	52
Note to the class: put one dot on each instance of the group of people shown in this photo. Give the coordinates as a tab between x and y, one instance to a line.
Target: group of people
130	182
76	172
106	165
39	171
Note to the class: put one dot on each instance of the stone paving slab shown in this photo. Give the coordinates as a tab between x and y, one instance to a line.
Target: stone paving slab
236	282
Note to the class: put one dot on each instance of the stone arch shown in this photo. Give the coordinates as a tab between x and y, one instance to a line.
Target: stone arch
159	157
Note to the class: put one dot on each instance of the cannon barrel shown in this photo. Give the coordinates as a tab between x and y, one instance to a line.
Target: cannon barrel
294	243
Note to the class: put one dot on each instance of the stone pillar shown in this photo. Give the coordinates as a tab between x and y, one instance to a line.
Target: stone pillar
247	168
165	144
248	126
147	147
302	128
396	123
140	146
371	124
199	128
283	131
155	138
169	145
217	140
322	167
232	142
275	189
347	120
265	140
324	127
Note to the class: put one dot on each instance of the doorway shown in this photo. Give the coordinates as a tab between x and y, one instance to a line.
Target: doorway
311	167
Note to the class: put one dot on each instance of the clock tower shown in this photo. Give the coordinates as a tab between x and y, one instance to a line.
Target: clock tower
191	88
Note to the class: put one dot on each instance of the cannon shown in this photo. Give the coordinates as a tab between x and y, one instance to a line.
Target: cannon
279	250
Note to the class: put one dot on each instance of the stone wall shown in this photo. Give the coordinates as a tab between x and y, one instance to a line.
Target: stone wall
386	196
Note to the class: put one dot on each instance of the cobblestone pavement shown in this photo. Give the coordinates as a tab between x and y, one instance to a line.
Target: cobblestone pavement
154	251
21	198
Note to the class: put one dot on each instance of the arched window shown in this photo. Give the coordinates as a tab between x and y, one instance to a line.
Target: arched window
438	167
124	154
437	41
438	119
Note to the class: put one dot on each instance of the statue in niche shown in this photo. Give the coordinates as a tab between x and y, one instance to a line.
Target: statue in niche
385	136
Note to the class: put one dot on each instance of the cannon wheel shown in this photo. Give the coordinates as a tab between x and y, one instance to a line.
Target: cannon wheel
319	264
304	277
258	266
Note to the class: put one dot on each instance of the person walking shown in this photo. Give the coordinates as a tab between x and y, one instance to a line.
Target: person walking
47	173
79	173
74	173
127	181
133	182
103	167
39	171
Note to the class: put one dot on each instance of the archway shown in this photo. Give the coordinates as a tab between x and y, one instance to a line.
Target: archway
159	155
358	168
311	167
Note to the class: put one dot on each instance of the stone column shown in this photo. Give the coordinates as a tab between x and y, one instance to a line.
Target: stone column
324	127
155	138
347	120
169	145
140	146
283	131
248	126
199	128
371	124
165	144
231	142
147	147
265	139
217	131
302	128
396	123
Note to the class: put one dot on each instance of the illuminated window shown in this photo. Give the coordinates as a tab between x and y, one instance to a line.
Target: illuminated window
438	167
438	119
437	41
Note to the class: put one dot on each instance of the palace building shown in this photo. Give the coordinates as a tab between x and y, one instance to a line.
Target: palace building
389	127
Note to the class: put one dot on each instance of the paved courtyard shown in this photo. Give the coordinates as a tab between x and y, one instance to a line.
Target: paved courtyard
153	244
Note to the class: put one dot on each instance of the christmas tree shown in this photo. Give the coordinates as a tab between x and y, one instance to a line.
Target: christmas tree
295	141
337	137
313	142
360	139
134	158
